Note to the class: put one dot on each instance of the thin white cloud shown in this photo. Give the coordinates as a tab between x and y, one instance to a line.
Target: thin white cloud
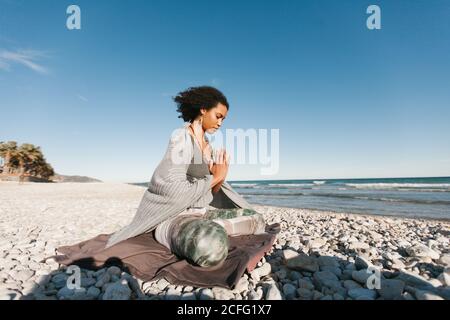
26	58
4	66
79	96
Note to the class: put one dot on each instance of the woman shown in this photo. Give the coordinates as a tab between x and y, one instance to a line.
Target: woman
188	187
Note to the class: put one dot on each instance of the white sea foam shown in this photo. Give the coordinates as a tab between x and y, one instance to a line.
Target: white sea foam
290	185
319	182
397	185
244	185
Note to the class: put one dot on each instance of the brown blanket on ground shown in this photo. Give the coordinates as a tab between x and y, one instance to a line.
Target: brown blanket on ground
146	259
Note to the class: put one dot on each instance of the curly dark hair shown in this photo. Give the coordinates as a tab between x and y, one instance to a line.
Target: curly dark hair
190	101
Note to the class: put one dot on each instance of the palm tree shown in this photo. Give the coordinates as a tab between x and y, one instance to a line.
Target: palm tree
24	160
35	167
40	168
28	154
1	159
47	171
8	151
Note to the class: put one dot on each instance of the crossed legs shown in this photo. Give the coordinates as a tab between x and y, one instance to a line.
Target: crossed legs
202	238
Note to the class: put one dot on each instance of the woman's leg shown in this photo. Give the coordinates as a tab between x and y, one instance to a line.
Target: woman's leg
237	221
228	213
163	230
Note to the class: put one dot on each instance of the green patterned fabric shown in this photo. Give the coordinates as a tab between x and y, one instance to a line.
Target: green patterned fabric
228	213
202	241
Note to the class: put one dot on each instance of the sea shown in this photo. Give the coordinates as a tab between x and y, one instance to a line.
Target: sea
403	197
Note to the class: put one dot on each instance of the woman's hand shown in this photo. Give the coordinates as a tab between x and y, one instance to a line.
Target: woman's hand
219	169
217	187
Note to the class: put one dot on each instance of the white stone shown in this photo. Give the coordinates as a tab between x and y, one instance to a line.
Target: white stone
316	243
172	294
408	296
444	277
397	264
413	279
24	275
421	250
426	295
375	235
435	282
8	294
188	296
206	294
254	275
289	254
241	285
222	293
355	245
273	293
148	288
188	289
444	260
43	279
264	270
162	284
255	295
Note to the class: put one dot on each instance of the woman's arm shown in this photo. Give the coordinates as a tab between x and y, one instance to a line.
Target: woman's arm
216	188
171	173
219	170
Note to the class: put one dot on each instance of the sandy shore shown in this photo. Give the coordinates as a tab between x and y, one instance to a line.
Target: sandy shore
318	254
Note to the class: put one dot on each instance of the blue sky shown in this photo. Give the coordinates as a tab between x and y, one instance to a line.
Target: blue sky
349	102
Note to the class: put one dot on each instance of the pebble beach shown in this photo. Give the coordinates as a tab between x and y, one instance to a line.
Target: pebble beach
318	255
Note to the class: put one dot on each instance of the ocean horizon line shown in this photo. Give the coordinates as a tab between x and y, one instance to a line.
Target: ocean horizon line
328	179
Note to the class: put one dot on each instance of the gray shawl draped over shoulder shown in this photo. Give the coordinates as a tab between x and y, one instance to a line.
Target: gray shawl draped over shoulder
181	180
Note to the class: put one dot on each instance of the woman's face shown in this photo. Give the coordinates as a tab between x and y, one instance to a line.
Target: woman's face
213	118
